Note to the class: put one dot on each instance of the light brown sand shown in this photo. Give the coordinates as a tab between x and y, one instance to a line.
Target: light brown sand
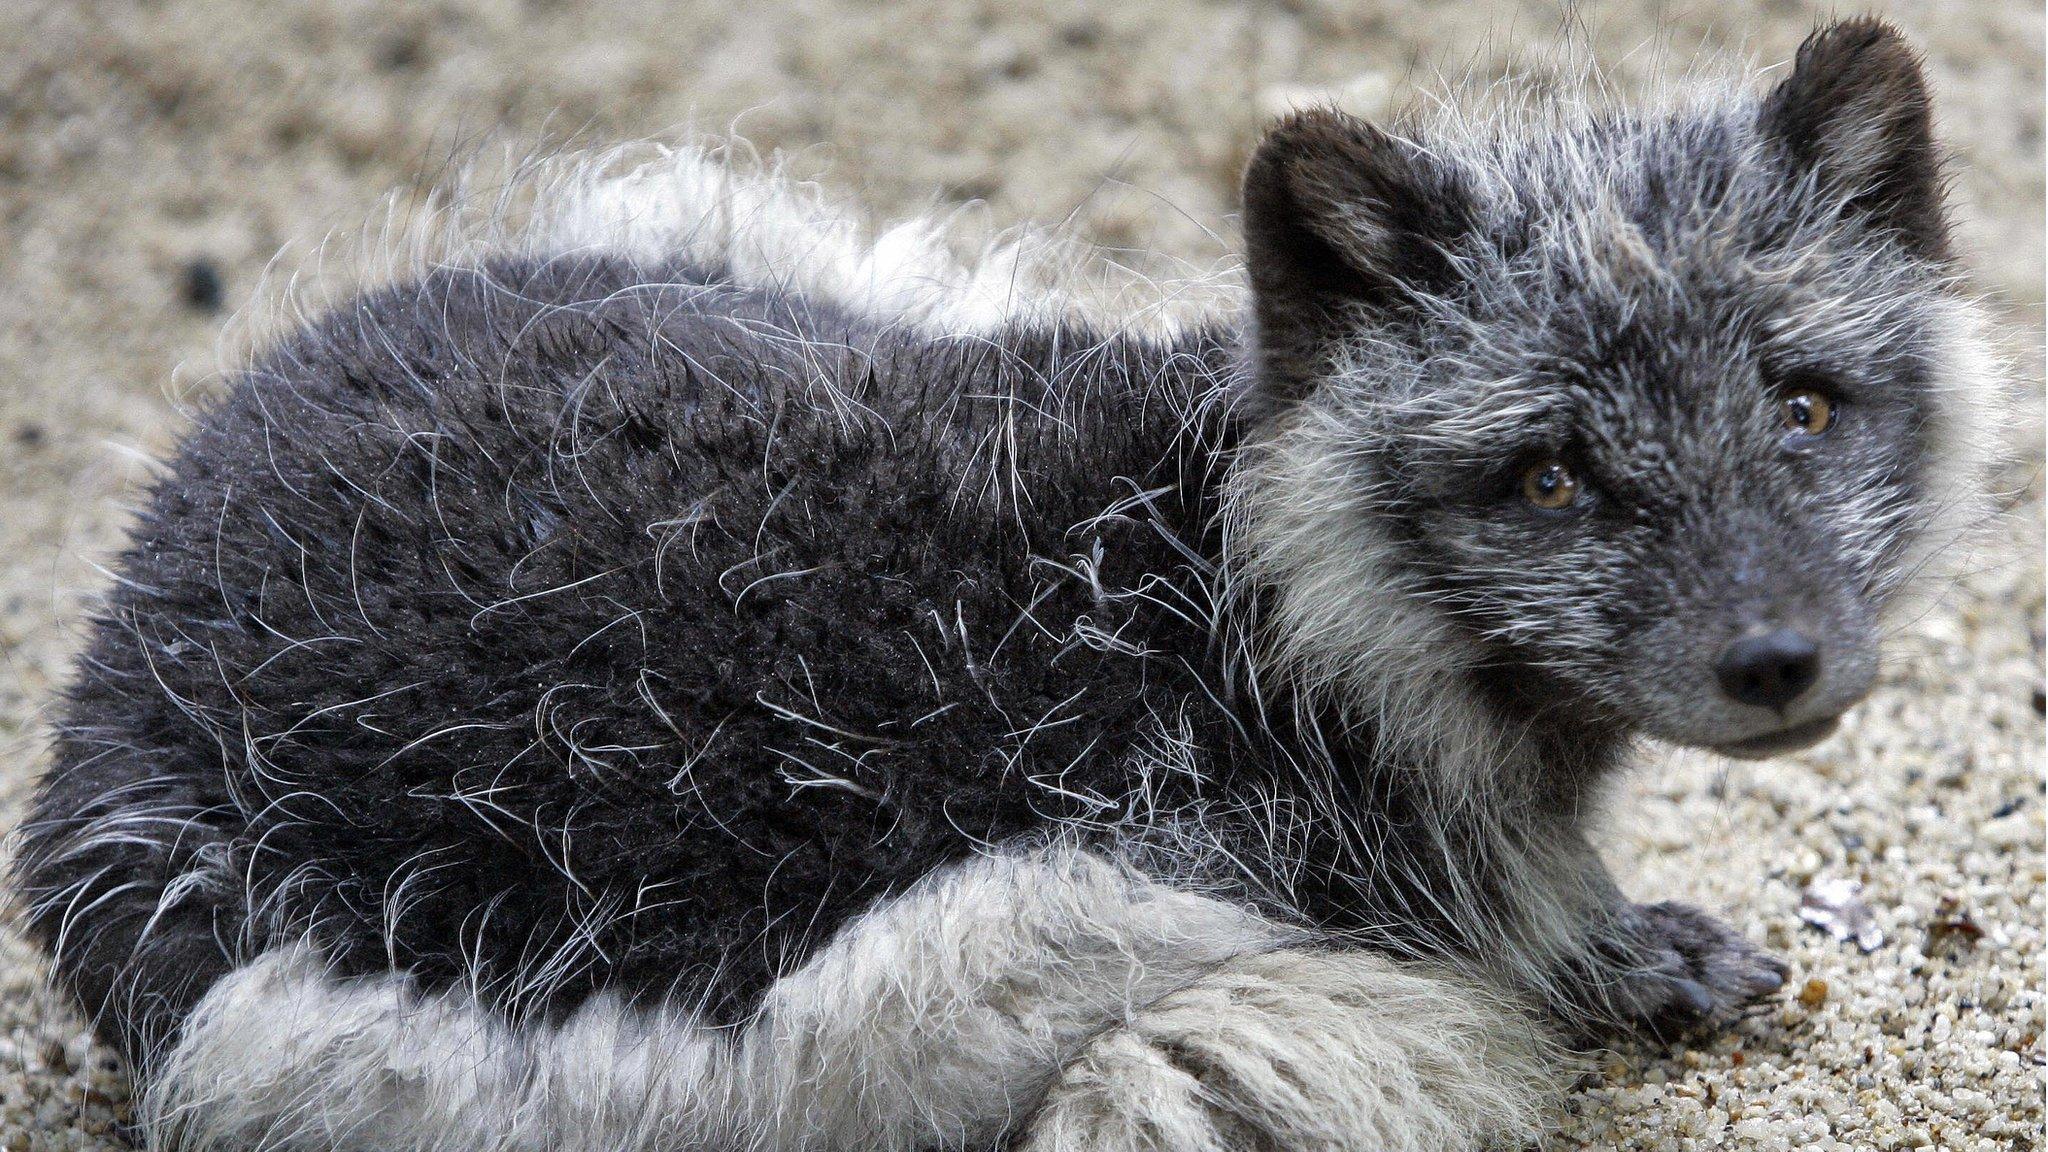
136	137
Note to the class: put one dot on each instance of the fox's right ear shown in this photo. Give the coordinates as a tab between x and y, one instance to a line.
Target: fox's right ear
1340	219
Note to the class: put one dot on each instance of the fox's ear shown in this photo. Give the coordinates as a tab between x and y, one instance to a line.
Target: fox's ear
1856	114
1339	217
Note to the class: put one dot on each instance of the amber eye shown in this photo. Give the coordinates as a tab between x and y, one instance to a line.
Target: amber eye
1807	411
1550	485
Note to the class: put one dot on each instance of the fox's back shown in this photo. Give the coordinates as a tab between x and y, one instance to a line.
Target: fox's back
577	622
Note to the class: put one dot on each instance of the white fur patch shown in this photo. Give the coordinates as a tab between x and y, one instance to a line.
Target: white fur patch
1293	1049
717	206
777	233
937	1018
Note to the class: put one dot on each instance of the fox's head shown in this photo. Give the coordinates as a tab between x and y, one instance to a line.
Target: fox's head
1644	418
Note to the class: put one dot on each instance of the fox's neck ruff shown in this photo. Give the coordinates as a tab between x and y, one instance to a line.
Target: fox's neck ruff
1320	596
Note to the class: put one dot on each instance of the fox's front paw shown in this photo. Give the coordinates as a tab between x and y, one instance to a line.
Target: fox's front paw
1689	969
1304	1050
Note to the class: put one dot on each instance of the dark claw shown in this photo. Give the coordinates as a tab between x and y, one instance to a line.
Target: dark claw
1770	977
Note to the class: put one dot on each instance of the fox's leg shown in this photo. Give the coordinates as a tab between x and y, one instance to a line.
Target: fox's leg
936	1020
1298	1049
1602	961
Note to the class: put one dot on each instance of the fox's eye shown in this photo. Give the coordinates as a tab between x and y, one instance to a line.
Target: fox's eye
1550	485
1806	411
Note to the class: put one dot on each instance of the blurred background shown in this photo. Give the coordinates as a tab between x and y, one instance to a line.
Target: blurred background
155	156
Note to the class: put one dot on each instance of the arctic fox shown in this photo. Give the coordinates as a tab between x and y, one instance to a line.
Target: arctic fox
679	677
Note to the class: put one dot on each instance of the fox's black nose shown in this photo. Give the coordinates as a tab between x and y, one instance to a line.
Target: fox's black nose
1769	670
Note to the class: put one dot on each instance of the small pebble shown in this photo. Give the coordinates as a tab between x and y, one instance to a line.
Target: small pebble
401	53
200	286
1953	923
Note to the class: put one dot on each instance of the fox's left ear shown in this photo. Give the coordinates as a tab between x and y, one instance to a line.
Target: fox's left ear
1857	115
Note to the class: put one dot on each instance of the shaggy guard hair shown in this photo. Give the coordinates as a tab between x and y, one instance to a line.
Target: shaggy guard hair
668	666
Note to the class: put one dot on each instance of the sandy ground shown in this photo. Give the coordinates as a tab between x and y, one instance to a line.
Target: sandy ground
155	156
